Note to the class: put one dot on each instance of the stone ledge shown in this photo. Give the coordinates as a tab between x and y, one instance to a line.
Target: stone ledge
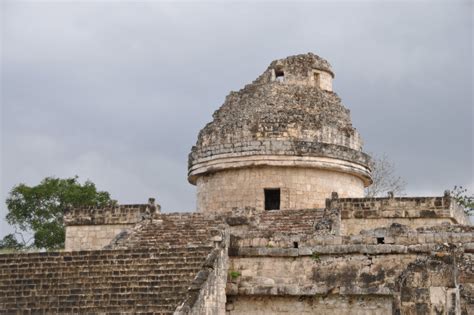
319	161
408	237
306	290
343	249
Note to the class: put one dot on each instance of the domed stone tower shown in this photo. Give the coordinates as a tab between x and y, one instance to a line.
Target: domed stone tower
283	142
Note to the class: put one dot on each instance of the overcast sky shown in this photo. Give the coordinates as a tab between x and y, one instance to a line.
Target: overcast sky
116	92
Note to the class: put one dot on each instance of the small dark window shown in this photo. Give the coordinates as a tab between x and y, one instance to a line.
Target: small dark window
295	244
279	75
380	240
316	79
272	199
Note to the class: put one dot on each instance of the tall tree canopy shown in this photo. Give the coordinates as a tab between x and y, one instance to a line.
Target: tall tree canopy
37	211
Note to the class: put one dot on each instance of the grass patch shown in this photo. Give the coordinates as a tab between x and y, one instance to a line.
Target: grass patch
316	257
234	274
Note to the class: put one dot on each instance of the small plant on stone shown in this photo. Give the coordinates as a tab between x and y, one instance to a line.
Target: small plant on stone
464	198
234	274
315	256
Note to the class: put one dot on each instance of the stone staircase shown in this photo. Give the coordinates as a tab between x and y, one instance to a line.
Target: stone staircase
147	270
171	230
104	281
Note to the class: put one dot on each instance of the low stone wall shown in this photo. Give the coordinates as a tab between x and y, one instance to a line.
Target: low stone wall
119	214
93	228
327	305
368	239
92	237
358	214
356	226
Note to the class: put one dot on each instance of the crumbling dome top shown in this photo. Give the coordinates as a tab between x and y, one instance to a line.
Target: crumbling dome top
287	116
299	65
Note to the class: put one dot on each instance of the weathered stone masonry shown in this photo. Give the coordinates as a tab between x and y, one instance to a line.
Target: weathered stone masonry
281	227
94	228
104	281
304	264
272	126
280	261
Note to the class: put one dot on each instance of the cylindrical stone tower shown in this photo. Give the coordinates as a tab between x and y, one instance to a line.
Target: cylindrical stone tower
283	142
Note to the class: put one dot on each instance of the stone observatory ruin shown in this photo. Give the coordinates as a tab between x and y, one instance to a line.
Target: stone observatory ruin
281	227
283	142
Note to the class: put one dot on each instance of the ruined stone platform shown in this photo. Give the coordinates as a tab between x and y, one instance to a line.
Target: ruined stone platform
246	260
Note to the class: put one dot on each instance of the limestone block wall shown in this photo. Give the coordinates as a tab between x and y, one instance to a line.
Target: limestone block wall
93	228
406	239
392	269
369	213
375	279
318	273
355	226
298	69
325	80
328	305
301	188
92	237
315	77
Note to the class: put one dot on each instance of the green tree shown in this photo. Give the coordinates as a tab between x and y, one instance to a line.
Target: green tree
37	211
461	195
9	242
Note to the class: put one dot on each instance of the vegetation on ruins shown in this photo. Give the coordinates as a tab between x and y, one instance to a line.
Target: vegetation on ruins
316	257
464	198
36	212
384	178
234	274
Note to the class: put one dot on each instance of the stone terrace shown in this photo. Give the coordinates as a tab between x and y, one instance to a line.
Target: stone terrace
166	262
389	269
171	230
178	263
118	281
400	207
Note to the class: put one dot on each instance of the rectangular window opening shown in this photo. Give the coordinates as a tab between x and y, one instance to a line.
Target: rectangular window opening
272	199
279	75
316	79
380	240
